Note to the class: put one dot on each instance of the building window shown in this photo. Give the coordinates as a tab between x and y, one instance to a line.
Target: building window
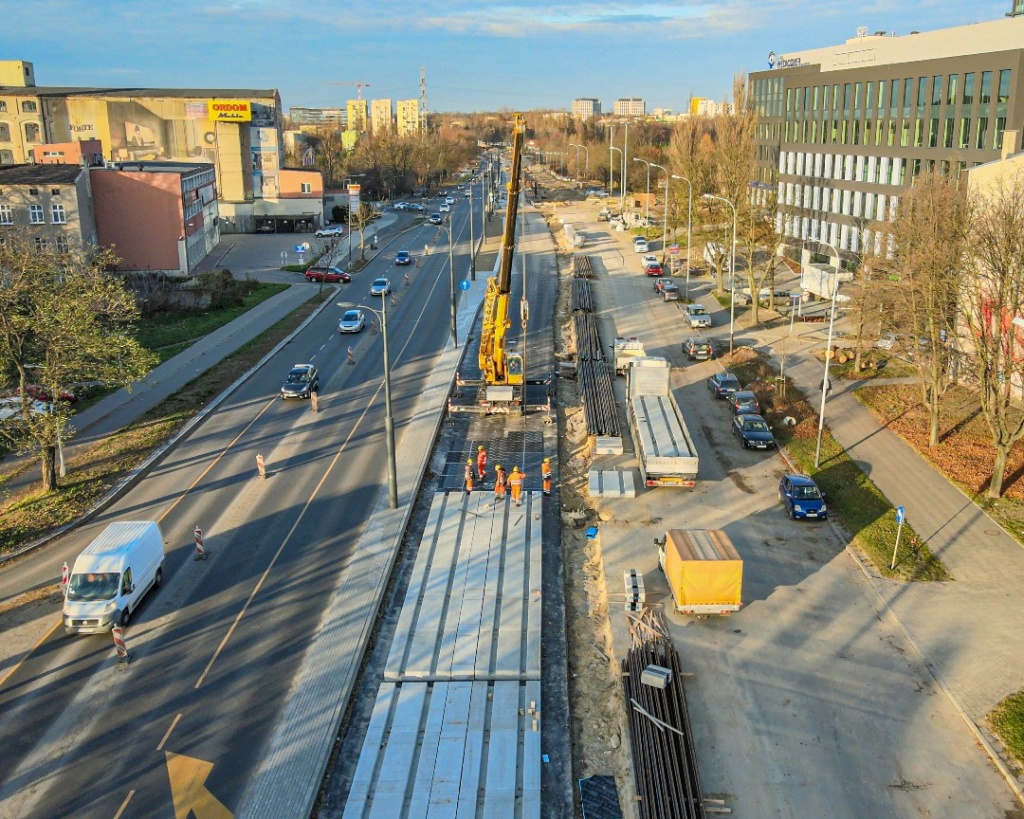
937	90
5	132
307	187
28	107
3	106
968	98
62	244
922	93
985	94
981	134
54	191
951	91
6	157
918	133
35	214
933	133
31	132
965	132
57	215
40	244
6	215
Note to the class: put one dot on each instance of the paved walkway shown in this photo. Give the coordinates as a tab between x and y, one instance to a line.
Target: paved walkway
966	630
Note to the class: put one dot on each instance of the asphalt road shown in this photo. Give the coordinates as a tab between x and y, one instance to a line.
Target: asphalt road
215	649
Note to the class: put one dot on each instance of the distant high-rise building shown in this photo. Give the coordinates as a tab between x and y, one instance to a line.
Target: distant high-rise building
630	107
381	119
408	117
702	107
317	116
356	115
586	108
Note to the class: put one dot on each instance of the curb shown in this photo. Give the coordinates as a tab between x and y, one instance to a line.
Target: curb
133	477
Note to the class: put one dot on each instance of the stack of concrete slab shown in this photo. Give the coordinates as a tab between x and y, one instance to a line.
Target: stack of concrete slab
456	723
611	483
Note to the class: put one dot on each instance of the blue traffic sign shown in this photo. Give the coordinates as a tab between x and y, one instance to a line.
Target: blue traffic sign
300	248
464	284
901	513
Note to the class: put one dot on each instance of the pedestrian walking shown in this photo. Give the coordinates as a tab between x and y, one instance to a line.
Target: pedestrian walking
545	472
500	483
826	386
515	482
469	475
481	462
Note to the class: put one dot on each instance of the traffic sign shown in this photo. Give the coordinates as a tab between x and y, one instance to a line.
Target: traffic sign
901	513
673	249
464	284
300	248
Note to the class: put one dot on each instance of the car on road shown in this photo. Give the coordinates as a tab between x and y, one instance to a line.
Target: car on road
660	284
449	200
380	287
802	497
653	270
649	258
697	316
723	384
331	230
698	349
670	291
640	244
435	219
351	321
323	273
416	206
444	207
403	257
400	206
753	432
744	402
302	380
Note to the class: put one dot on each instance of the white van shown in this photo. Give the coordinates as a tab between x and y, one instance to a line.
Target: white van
112	575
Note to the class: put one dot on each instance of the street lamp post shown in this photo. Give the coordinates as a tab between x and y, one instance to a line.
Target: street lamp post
451	275
472	244
624	179
664	226
389	418
828	356
611	167
732	271
619	151
577	166
647	203
689	224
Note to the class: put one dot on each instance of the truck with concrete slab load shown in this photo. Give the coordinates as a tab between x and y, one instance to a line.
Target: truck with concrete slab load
624	351
663	444
112	575
817	280
704	571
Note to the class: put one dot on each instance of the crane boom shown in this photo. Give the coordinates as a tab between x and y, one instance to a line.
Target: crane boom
499	367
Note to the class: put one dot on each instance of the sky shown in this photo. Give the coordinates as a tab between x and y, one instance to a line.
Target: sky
478	55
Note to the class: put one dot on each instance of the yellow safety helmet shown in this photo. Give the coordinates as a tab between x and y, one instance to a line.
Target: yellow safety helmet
480	447
547	460
469	460
497	466
515	468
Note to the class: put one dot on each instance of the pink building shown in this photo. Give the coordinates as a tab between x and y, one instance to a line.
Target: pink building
159	217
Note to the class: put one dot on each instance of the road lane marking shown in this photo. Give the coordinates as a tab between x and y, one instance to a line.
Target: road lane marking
189	793
124	804
215	461
174	724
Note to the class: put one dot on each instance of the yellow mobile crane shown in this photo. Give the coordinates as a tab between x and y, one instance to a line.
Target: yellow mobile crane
501	389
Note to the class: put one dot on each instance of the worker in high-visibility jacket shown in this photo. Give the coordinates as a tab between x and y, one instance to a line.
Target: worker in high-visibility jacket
469	475
481	462
515	483
545	473
500	483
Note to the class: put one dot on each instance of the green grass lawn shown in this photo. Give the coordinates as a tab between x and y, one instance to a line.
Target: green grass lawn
172	330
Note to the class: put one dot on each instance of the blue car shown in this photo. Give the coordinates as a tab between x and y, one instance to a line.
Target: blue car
403	257
802	498
723	384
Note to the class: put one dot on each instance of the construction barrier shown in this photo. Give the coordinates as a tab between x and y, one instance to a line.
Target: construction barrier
261	466
314	401
351	356
201	553
64	575
122	650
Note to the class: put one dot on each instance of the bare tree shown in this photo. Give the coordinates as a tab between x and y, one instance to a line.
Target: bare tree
63	320
993	304
930	235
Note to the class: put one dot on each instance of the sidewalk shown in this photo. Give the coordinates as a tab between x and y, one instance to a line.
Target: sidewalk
965	630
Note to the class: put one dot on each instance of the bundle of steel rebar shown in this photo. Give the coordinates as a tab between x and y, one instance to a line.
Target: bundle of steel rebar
582	267
599	410
664	759
582	296
588	340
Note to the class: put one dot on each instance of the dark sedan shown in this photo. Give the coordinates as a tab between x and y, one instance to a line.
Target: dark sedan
753	432
723	384
744	402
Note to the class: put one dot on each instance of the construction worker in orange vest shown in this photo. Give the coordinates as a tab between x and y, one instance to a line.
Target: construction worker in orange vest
545	472
500	482
481	462
469	475
515	482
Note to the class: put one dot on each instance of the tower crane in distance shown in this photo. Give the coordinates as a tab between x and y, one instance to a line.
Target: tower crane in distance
358	85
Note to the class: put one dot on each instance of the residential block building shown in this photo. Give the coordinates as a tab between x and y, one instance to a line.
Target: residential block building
630	107
357	118
381	117
586	108
408	117
53	203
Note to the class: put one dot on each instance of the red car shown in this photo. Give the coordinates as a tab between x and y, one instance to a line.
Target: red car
653	270
320	273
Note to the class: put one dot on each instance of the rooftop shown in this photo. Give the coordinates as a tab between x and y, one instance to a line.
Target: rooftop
186	93
39	174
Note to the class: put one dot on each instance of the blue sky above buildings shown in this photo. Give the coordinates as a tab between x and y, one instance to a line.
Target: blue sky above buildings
478	55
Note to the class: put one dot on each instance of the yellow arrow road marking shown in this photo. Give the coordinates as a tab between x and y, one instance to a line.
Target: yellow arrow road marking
188	788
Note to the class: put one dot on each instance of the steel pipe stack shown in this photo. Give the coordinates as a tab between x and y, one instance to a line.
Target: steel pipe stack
582	267
664	759
582	296
599	410
588	341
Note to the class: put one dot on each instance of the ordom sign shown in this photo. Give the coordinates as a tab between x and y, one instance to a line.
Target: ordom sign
230	110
